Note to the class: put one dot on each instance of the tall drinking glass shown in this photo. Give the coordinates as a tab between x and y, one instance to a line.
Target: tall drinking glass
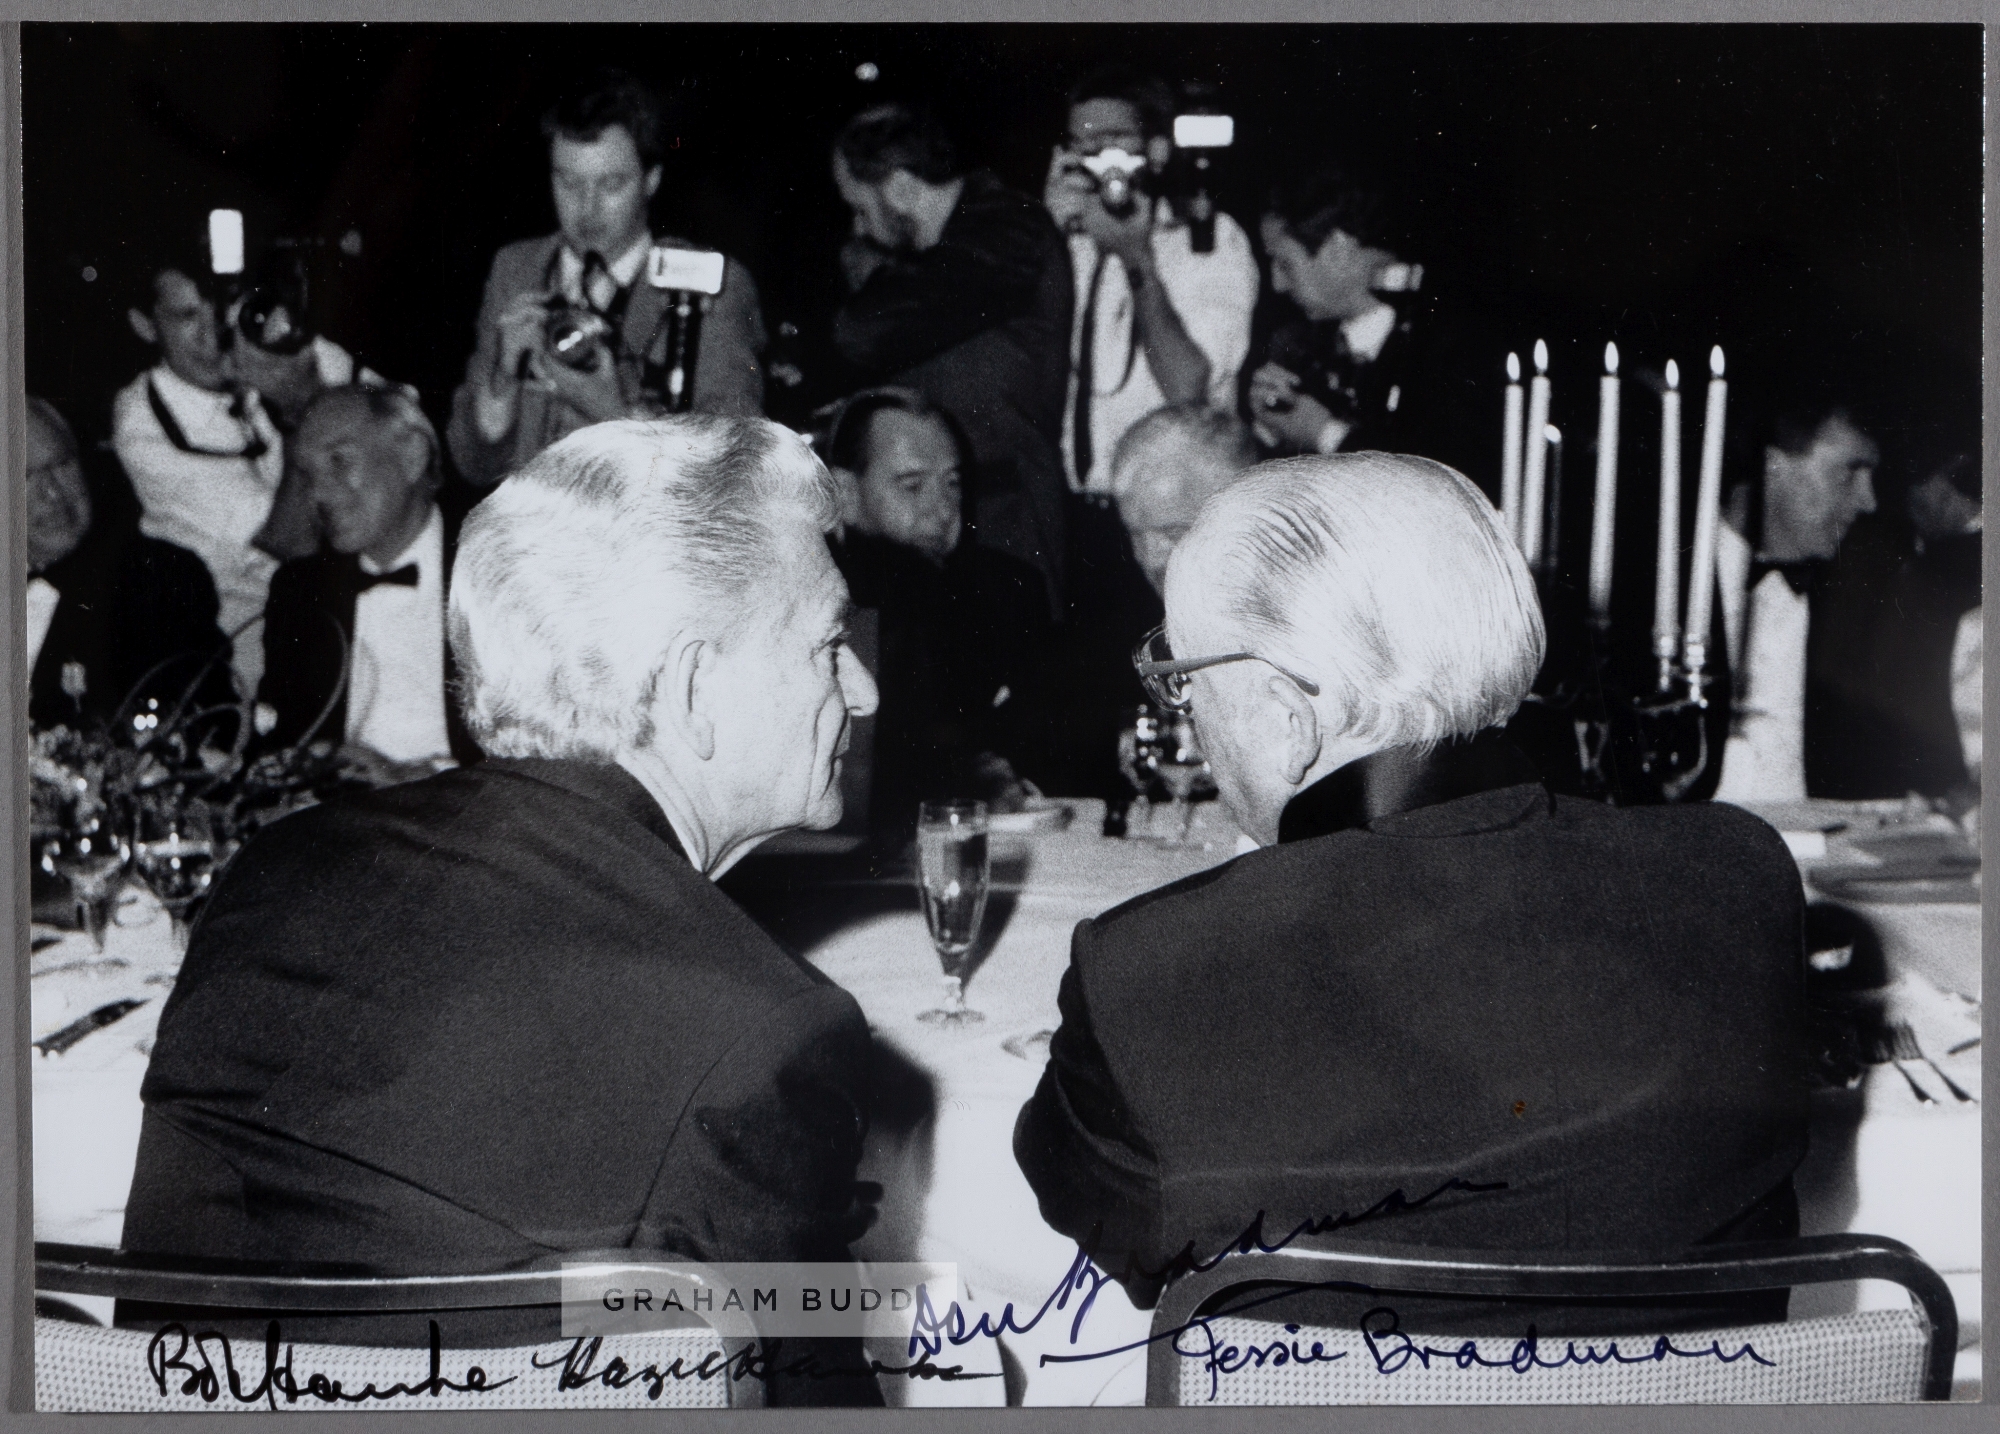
1184	769
175	856
952	878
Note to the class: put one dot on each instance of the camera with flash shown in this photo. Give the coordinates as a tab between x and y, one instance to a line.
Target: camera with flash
1119	179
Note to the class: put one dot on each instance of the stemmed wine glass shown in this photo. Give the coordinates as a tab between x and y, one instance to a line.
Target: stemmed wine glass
953	873
174	855
90	858
1182	767
1139	761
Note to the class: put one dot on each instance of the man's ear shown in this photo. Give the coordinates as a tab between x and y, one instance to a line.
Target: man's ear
1300	738
903	191
1159	153
653	181
847	485
142	325
413	449
687	699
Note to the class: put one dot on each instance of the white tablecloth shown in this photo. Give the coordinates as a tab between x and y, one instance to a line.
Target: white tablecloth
942	1144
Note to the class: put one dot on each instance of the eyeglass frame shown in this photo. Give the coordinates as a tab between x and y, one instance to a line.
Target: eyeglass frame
1154	674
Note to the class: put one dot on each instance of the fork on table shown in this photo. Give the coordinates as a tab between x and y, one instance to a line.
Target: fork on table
1903	1047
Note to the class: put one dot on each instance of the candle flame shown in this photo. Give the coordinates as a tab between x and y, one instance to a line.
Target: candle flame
1552	433
1541	357
1611	360
1513	368
1715	360
1673	374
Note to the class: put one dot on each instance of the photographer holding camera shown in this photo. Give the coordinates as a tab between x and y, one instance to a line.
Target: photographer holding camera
1162	313
1369	361
570	334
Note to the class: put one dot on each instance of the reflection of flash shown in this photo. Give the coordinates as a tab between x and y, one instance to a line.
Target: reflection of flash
867	71
951	892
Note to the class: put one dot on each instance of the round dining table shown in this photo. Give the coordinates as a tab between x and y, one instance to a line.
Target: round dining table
1882	1160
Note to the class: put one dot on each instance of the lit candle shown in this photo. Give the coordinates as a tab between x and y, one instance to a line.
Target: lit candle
1667	576
1707	512
1552	533
1510	453
1535	457
1604	502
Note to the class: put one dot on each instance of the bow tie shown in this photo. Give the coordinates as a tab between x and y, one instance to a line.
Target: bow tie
403	577
1802	577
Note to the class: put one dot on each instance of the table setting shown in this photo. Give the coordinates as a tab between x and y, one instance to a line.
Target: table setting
955	951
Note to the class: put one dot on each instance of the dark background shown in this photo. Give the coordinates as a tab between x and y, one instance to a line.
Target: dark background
1797	193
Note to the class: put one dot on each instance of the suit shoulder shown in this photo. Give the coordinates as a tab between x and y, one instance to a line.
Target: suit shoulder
517	263
1173	904
1715	833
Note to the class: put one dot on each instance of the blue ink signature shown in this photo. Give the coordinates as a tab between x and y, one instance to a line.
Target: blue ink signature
1392	1350
930	1330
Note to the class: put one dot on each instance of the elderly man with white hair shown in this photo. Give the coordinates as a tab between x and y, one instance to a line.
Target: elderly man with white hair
479	1021
1486	1016
1168	464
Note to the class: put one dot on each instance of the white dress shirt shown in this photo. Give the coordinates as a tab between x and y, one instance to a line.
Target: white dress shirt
211	501
42	601
1213	293
395	694
1365	335
625	269
1765	759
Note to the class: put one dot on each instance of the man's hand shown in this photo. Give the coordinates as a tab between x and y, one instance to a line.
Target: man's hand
520	328
1067	190
859	259
1281	410
1130	237
597	395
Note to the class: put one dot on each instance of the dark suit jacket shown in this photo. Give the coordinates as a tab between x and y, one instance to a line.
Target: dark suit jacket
979	324
137	619
474	1022
1434	389
1878	664
308	632
1440	973
952	639
728	374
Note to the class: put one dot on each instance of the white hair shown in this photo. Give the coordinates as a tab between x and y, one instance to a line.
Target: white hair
1181	454
577	574
1388	580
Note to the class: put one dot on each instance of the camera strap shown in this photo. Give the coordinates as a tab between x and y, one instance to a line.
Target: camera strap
254	446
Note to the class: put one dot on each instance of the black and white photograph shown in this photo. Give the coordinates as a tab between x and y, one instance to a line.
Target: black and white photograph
942	715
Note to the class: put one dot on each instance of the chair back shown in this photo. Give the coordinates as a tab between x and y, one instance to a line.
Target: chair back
182	1368
1209	1346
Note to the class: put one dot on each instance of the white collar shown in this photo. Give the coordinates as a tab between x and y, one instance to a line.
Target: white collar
179	393
1366	333
428	542
625	268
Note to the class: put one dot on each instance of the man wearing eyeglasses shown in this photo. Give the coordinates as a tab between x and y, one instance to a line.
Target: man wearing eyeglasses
1494	1017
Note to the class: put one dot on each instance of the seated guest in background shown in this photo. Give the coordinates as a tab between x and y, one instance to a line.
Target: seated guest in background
203	456
354	641
276	353
1772	550
1167	466
1879	648
964	630
479	1021
1369	361
1547	1023
119	625
606	151
962	292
